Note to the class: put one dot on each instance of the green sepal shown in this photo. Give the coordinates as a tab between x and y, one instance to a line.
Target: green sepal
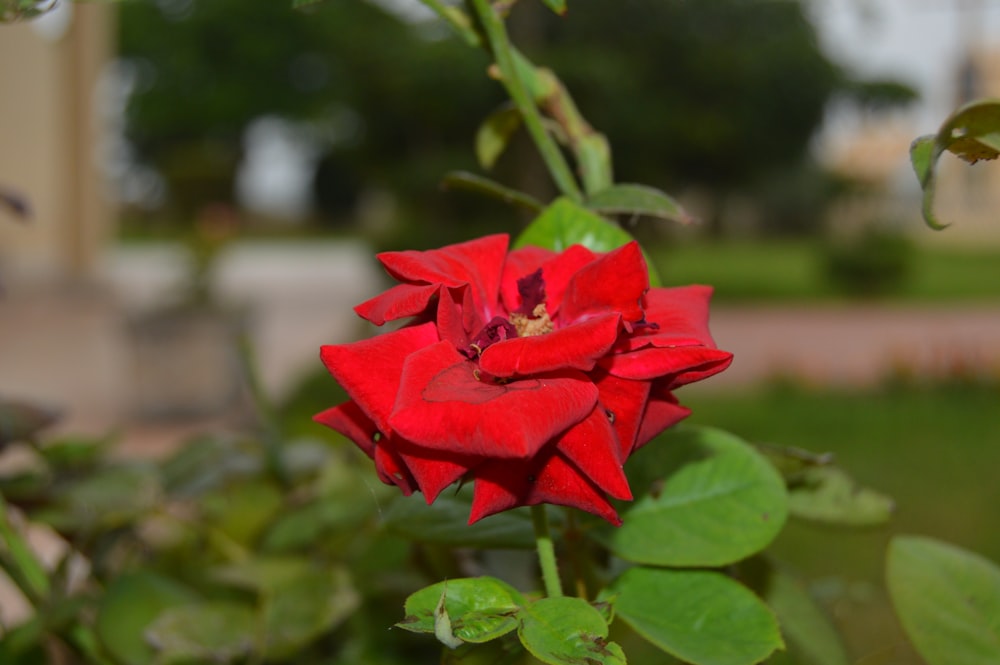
470	609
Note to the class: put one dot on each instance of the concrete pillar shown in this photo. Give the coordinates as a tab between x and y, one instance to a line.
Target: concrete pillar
50	132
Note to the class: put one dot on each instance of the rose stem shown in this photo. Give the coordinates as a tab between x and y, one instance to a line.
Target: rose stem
503	53
546	552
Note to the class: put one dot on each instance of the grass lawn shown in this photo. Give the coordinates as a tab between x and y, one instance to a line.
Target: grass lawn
936	451
792	271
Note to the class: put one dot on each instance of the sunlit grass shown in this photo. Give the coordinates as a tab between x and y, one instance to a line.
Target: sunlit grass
792	271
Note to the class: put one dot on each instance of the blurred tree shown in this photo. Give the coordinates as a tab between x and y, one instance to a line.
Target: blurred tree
205	69
725	94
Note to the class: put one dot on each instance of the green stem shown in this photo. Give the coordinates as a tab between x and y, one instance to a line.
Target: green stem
503	53
546	552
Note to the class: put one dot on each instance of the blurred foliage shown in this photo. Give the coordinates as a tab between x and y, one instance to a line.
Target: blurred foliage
875	262
723	94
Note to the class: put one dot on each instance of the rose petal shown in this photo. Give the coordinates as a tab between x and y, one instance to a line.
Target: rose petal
593	447
392	469
680	315
685	364
505	484
577	346
349	420
434	470
624	402
441	405
662	411
478	263
613	282
400	301
370	370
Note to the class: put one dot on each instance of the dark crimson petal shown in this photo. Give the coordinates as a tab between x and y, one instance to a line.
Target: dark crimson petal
578	346
434	470
392	469
614	282
531	291
662	411
478	263
505	484
557	269
370	370
351	421
685	364
680	315
399	302
624	402
593	447
441	405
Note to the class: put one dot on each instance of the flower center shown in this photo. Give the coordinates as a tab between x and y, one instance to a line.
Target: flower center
528	320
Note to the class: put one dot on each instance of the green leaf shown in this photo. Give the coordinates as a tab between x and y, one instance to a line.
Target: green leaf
972	133
305	607
445	522
475	183
947	599
216	632
565	223
105	499
625	199
811	637
567	631
242	510
710	499
129	605
558	6
701	617
494	135
828	494
478	609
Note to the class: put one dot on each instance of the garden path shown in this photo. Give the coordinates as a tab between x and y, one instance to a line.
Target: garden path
71	347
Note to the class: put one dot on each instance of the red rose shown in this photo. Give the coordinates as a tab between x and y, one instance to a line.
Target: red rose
533	373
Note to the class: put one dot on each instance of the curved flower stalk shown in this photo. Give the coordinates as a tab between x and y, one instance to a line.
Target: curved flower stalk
532	373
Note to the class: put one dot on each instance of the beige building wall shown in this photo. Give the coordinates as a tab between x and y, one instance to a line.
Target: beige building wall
50	128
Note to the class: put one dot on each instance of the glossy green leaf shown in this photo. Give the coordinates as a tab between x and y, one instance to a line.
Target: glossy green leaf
709	499
972	133
567	631
214	632
638	200
701	617
828	494
494	135
475	183
811	637
478	609
565	223
129	605
445	522
947	599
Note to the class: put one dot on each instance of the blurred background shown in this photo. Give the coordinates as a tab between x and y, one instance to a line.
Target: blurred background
180	175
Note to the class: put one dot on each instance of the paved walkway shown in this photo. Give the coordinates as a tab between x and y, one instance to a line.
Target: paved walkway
73	348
